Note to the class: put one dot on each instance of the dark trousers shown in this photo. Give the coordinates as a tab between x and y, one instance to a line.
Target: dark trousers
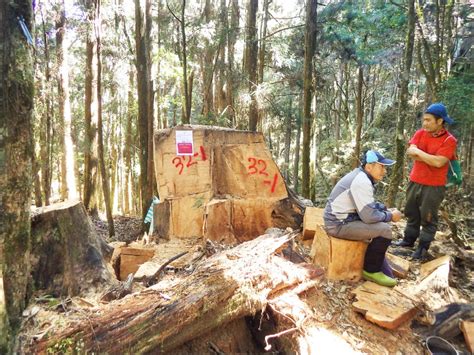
421	210
375	254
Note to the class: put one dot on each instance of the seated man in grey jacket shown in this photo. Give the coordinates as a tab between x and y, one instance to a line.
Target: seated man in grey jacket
352	213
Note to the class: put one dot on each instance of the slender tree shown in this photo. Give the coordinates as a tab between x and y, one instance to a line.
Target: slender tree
403	108
309	49
16	147
91	112
230	76
100	140
68	179
251	52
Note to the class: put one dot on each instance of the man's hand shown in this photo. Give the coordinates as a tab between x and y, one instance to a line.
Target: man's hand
413	151
396	214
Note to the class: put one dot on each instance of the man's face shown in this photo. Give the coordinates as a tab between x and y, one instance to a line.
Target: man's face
432	124
376	170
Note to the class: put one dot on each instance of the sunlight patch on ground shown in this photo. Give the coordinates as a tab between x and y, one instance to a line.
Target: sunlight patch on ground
323	341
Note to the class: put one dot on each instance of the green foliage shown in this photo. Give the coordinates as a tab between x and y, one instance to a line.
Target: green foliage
457	93
66	346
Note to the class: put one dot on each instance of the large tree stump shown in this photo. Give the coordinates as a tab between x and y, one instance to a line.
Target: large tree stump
228	190
228	286
67	255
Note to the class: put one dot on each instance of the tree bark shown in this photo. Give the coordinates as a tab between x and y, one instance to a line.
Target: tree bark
68	187
221	103
359	115
296	161
16	149
67	255
403	109
309	49
100	137
230	76
91	113
227	286
46	122
143	77
251	52
128	189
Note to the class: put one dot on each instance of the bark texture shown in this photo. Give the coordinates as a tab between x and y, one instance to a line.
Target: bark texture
67	255
227	286
16	149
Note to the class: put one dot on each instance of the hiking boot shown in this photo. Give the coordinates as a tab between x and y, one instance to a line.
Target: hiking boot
404	243
379	278
386	269
421	251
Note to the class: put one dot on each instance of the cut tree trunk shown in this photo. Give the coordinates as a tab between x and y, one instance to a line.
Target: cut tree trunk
228	286
67	255
229	190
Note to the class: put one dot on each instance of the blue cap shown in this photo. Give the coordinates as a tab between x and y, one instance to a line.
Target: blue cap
375	157
439	110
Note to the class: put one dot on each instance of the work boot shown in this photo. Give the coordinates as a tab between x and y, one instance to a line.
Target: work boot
386	269
404	243
421	251
379	278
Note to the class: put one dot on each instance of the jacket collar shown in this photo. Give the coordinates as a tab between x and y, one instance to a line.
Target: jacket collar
368	175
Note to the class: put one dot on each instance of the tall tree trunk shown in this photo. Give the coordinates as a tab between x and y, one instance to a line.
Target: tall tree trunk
127	149
403	108
296	160
288	130
100	138
207	67
150	119
251	51
46	121
359	115
68	189
220	63
186	118
90	114
231	40
16	148
309	49
143	107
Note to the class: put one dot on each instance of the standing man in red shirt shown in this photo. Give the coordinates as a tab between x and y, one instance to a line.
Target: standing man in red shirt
431	148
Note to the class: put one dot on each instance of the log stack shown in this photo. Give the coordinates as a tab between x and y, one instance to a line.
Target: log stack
228	189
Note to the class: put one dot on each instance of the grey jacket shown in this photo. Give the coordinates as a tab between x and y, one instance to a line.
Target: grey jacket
352	199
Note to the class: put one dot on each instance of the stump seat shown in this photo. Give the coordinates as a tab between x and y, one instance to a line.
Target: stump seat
342	259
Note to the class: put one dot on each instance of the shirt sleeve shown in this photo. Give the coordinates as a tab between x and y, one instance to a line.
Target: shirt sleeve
416	137
362	194
448	148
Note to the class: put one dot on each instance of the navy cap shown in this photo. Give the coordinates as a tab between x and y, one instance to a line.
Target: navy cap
375	157
439	110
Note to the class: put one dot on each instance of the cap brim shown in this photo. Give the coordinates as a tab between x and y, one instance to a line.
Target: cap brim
448	120
386	161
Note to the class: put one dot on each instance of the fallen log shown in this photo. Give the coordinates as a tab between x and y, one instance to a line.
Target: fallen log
229	285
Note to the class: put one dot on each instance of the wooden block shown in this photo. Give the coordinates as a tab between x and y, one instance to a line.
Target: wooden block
382	305
131	259
218	221
313	218
234	221
400	266
468	331
342	259
161	219
429	267
187	216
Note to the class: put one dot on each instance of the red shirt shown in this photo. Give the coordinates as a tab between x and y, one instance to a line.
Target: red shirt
444	145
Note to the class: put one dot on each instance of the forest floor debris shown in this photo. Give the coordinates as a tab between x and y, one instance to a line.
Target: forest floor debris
333	317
